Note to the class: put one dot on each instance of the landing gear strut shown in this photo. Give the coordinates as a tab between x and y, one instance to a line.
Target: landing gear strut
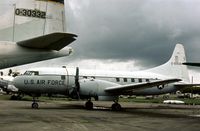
116	106
89	105
34	104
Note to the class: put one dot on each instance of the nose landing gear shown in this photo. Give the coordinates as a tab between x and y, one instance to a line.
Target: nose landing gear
35	104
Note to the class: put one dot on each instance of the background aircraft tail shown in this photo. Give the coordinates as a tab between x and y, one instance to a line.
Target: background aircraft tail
174	67
25	19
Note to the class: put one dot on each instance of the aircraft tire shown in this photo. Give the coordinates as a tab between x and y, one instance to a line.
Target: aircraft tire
89	105
35	105
116	107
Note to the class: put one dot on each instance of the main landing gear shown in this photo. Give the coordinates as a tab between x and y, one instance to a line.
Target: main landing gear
116	106
35	104
89	105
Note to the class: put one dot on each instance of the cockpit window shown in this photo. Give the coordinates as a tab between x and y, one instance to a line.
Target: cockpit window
31	73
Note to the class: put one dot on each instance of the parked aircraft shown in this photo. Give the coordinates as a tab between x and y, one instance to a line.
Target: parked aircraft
105	85
37	26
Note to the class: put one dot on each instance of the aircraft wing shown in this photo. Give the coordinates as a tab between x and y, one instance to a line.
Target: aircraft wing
54	41
121	89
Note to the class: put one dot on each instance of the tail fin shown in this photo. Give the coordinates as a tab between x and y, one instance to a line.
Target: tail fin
25	19
174	67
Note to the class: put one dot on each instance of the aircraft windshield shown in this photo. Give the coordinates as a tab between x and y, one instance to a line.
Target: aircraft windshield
31	73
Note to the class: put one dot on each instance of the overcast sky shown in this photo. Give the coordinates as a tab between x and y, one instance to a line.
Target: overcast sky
127	34
144	31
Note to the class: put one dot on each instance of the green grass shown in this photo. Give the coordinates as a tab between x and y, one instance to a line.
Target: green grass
160	100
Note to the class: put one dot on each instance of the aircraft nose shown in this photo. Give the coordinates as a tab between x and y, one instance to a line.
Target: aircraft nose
17	82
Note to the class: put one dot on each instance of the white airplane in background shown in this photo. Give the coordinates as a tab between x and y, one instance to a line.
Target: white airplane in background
105	85
37	26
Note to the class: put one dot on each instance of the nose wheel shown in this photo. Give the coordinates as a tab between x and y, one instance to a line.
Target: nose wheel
34	104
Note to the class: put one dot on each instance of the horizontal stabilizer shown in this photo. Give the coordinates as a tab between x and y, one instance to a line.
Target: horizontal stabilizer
54	41
191	64
139	86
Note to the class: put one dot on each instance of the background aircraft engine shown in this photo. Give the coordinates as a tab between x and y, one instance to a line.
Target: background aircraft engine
95	88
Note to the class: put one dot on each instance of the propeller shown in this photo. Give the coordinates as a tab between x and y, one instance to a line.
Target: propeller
77	84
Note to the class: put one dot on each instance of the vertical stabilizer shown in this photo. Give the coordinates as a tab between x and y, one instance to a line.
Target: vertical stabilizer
25	19
174	67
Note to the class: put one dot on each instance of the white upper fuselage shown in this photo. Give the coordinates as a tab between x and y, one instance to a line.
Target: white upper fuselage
50	80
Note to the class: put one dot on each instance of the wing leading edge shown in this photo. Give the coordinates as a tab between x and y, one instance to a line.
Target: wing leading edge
130	87
54	41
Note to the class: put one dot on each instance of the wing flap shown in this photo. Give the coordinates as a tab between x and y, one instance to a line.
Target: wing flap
54	41
139	86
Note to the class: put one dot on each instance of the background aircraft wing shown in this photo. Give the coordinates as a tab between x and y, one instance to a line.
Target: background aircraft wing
123	89
54	41
186	85
188	88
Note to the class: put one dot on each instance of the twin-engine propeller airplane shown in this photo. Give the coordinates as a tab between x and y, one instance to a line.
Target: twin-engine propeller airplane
105	85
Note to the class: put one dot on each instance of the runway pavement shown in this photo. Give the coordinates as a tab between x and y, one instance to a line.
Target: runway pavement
71	116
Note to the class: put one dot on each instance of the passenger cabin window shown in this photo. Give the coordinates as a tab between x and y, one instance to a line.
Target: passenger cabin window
117	79
31	73
62	77
125	79
147	80
140	80
132	80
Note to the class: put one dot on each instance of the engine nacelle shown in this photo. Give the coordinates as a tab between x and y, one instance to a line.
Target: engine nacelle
96	88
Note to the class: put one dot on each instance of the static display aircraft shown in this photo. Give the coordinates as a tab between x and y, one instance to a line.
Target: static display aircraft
105	85
37	26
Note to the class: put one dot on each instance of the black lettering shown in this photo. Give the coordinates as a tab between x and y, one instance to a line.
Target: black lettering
49	81
38	14
33	13
24	12
29	12
43	15
25	82
17	12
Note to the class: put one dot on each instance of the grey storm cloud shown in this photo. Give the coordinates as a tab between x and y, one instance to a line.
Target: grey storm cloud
142	30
